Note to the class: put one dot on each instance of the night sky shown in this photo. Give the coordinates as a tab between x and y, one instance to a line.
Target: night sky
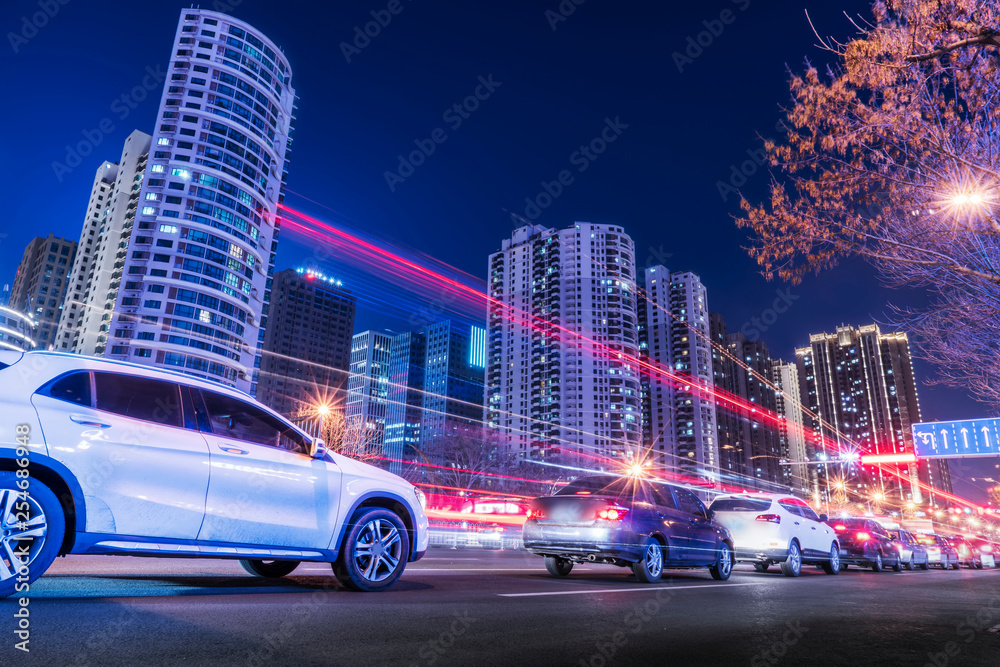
553	91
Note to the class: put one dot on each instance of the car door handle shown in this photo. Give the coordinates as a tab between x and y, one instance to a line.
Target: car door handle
814	527
230	449
84	420
796	523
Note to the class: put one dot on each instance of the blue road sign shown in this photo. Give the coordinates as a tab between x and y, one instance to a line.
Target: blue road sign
969	437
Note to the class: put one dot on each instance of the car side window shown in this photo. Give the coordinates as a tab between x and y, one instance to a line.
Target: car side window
790	507
663	497
808	513
72	388
232	418
139	398
688	502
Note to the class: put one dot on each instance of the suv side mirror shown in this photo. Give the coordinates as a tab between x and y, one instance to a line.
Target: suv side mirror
318	448
824	518
709	514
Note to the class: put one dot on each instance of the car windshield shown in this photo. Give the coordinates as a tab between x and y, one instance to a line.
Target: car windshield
619	487
740	504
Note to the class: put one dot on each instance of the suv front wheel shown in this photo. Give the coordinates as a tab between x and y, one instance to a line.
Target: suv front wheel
32	526
374	552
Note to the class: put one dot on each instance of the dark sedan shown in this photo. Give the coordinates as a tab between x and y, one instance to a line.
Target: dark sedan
866	543
628	522
940	552
913	553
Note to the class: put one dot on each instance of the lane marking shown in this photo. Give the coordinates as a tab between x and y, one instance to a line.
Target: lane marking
637	589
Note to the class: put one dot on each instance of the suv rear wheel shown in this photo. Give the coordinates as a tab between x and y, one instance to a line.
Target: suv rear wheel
32	527
792	566
270	569
832	565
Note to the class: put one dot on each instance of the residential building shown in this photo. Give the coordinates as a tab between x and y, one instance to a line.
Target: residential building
679	415
405	409
307	345
859	388
96	274
41	283
797	475
562	365
197	274
16	330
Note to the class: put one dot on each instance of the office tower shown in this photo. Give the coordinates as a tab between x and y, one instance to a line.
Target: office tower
562	375
435	388
796	475
5	295
197	273
367	393
858	384
16	330
405	409
41	283
307	346
680	416
96	274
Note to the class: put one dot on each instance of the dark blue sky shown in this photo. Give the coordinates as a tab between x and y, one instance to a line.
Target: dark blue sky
686	129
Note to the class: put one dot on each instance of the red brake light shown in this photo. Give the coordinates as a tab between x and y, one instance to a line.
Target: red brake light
613	513
840	527
770	518
536	513
862	536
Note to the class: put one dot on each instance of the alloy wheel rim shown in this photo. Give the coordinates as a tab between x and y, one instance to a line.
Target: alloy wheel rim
794	558
878	560
654	560
377	551
725	561
15	534
835	559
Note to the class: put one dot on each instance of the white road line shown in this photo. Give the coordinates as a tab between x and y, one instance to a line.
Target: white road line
637	589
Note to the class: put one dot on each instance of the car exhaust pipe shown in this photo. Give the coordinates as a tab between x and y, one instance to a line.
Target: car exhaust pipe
592	558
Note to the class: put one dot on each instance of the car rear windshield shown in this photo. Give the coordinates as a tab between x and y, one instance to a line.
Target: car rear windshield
594	486
740	505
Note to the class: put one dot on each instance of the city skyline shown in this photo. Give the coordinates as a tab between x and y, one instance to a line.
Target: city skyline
762	316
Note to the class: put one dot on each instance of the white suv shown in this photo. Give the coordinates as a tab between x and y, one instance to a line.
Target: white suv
773	528
103	457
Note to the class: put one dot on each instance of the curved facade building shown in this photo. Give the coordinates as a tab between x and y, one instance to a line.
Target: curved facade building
16	330
192	287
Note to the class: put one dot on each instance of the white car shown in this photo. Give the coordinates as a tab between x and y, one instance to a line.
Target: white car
104	457
770	528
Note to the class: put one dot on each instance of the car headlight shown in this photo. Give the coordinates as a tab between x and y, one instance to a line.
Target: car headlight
421	498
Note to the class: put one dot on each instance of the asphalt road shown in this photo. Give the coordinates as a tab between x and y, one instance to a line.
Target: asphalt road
492	608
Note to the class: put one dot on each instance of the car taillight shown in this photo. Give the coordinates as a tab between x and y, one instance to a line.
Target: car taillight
840	527
613	513
863	536
536	513
770	518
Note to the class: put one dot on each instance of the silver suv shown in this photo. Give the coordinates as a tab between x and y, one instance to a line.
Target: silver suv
103	457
